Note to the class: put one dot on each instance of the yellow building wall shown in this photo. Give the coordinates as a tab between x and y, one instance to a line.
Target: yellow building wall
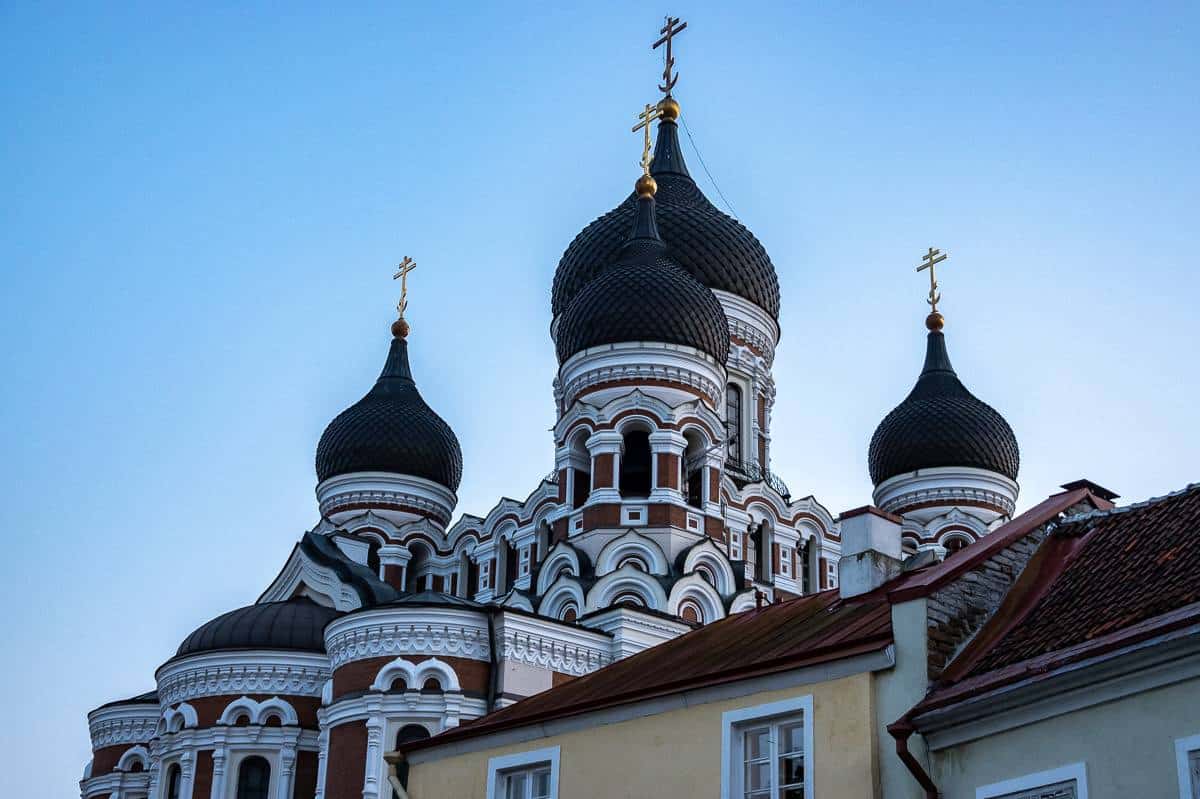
678	753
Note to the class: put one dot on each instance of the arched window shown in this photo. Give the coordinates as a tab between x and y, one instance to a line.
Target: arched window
174	778
693	467
955	543
762	539
415	581
570	612
254	778
407	734
635	465
691	613
733	422
581	468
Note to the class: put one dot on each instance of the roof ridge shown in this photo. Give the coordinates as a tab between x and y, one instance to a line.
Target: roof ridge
1145	503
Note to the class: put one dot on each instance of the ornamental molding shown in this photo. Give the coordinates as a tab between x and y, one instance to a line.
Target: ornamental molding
383	490
123	725
644	372
228	673
949	496
642	361
947	485
300	570
549	645
407	631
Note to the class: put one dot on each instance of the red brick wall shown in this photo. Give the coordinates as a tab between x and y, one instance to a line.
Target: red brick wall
346	764
203	779
306	776
104	759
668	470
209	708
602	471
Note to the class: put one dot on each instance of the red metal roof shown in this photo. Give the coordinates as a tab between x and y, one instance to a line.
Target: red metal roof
786	635
1100	581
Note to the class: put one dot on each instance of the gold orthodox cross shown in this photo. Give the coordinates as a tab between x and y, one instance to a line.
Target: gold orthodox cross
402	270
651	113
669	31
929	261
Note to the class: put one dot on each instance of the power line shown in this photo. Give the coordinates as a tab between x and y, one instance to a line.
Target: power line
711	179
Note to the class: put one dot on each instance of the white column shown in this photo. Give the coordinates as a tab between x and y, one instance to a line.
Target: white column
606	442
667	442
219	776
322	755
287	771
187	769
371	779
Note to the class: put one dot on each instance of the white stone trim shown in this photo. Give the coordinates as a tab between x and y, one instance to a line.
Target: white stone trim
179	718
709	554
242	672
749	322
551	645
498	765
560	554
415	675
386	488
139	753
407	631
1074	771
626	578
445	710
697	589
259	712
642	361
731	720
123	724
300	571
946	485
631	543
563	590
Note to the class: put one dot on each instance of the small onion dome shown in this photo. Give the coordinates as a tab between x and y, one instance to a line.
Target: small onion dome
941	423
644	296
714	248
391	429
297	624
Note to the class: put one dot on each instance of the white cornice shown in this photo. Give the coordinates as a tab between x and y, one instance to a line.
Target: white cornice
551	645
642	361
383	489
242	672
946	485
408	631
123	724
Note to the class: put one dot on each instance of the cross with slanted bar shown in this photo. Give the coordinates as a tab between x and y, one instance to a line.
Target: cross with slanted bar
402	270
651	113
669	32
929	261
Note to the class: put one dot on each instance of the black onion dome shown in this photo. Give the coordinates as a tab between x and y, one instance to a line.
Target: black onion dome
941	423
297	624
714	248
391	429
644	296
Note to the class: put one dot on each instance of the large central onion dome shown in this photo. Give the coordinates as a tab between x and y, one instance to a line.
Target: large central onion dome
297	624
941	423
644	296
714	248
391	429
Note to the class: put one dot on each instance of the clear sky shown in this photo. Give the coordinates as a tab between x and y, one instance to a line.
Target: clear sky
202	204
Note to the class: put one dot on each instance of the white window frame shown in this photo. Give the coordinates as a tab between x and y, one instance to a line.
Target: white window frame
735	545
733	721
497	766
1074	771
1183	748
785	561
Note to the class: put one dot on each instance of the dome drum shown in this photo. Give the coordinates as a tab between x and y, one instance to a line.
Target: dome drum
924	494
673	372
400	498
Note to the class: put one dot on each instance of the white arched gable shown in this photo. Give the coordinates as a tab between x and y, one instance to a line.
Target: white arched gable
370	522
957	519
743	601
561	554
515	599
638	421
626	579
710	555
631	543
438	670
179	718
562	591
398	669
259	712
694	587
135	754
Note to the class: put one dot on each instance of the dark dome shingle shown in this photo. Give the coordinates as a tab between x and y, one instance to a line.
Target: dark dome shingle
941	423
714	248
391	429
297	624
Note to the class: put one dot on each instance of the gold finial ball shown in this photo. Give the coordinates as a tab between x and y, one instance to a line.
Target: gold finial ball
935	321
646	186
400	328
669	108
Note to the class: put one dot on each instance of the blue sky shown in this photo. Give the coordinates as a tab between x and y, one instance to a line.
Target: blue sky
202	205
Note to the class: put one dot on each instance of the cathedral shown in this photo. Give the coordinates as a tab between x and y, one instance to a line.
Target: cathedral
396	617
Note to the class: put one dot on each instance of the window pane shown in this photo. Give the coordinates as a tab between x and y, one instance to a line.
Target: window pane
515	786
791	738
758	743
541	784
758	776
791	770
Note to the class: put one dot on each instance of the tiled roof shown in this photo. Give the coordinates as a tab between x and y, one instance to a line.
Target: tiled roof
296	624
1100	580
814	629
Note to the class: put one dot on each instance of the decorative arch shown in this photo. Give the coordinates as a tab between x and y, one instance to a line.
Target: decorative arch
561	555
707	554
415	675
259	712
639	422
693	588
562	592
631	543
743	601
179	718
626	580
135	754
